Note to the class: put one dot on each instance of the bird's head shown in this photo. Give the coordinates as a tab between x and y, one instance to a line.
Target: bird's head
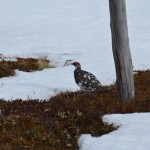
76	64
72	62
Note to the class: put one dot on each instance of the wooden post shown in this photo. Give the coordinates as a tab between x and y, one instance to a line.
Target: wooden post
121	49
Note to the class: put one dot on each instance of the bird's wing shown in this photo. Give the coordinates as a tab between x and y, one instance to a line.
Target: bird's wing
89	80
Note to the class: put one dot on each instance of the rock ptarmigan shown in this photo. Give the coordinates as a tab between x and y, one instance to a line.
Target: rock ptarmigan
85	80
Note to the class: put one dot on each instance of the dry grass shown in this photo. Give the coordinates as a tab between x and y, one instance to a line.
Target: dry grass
7	68
57	123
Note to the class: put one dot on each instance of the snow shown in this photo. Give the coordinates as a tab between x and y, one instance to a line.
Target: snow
58	30
37	84
62	30
133	133
78	30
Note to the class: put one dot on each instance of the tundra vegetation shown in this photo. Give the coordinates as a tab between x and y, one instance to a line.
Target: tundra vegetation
57	123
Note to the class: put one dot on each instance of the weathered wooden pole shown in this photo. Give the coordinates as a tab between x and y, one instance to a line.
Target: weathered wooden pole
121	49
